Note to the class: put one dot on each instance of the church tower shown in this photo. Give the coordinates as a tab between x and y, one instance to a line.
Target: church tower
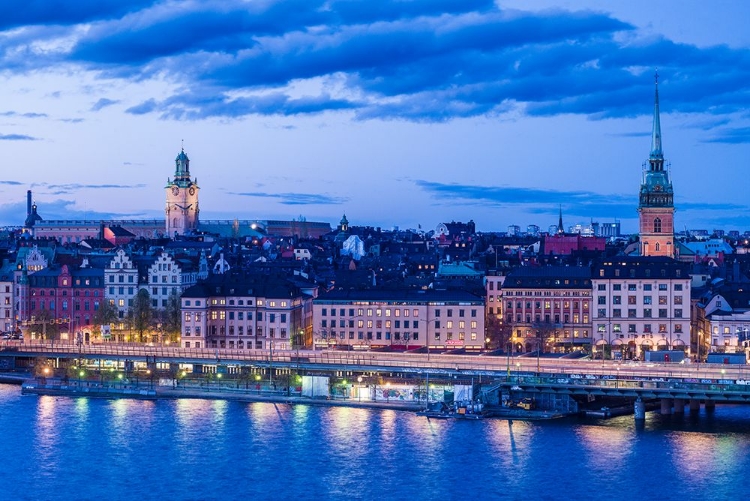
182	199
656	201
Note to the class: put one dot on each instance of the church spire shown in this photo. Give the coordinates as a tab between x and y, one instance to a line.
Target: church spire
560	229
656	157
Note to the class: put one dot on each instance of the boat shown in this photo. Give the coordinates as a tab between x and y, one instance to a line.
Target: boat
458	410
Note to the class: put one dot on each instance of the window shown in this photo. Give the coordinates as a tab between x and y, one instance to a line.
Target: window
662	313
647	312
678	313
616	313
662	287
602	287
657	228
616	300
678	287
662	299
646	299
632	300
601	300
631	328
631	313
631	287
646	287
616	287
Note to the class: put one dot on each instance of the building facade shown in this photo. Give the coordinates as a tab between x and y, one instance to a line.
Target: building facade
400	319
246	312
641	304
548	308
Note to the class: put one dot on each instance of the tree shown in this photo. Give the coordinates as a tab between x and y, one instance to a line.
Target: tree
106	314
142	313
498	332
172	317
48	327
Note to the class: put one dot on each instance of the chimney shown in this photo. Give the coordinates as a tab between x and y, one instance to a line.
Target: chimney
28	203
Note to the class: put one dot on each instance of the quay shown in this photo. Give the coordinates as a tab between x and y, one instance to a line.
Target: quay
387	379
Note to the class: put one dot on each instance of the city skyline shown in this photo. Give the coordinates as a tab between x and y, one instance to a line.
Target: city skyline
395	113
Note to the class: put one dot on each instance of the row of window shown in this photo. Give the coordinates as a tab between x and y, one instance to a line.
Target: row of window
633	313
631	272
239	330
633	287
64	304
121	279
549	304
547	293
547	318
633	299
387	312
396	336
632	328
42	293
240	315
577	333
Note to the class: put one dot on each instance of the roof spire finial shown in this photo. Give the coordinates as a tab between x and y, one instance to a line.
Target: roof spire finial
560	229
182	144
656	151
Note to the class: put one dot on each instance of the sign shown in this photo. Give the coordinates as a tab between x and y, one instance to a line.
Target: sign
454	342
106	332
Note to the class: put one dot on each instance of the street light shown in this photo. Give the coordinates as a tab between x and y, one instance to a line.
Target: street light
359	388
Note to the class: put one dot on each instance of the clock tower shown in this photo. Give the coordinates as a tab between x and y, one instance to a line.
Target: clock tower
182	199
656	201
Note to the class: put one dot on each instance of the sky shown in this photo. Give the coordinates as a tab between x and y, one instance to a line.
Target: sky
397	113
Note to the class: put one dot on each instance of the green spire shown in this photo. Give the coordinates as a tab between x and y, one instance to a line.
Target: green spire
656	152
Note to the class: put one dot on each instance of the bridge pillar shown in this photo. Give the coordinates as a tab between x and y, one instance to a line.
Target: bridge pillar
639	410
710	406
666	406
679	406
695	405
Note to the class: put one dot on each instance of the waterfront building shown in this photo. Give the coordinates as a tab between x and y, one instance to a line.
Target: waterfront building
399	319
494	299
656	200
548	308
121	285
247	311
7	300
641	303
168	275
67	295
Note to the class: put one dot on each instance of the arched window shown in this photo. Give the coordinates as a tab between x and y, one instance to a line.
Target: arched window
657	226
657	247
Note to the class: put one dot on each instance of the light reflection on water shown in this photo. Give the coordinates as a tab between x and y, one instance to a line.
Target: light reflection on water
212	449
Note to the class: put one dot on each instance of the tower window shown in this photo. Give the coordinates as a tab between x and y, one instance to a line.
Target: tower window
656	247
657	226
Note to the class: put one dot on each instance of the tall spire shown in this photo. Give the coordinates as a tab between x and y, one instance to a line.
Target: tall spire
656	152
560	229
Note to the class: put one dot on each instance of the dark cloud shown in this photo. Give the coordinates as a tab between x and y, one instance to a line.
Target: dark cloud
103	103
737	135
418	60
77	186
71	120
12	183
23	115
64	12
297	198
17	137
578	203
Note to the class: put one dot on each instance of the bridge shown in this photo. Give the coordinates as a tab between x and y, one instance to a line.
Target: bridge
584	379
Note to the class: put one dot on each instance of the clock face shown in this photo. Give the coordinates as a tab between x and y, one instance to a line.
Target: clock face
192	191
175	190
657	187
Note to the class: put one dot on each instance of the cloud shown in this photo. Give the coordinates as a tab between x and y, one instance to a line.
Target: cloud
77	186
17	137
12	183
738	135
23	115
103	103
196	107
579	203
46	12
296	198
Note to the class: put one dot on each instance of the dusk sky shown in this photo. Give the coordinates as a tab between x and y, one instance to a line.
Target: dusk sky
393	112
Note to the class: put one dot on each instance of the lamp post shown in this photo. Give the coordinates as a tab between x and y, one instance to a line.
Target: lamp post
359	388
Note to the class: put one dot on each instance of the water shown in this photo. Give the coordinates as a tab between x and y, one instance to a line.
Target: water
82	448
